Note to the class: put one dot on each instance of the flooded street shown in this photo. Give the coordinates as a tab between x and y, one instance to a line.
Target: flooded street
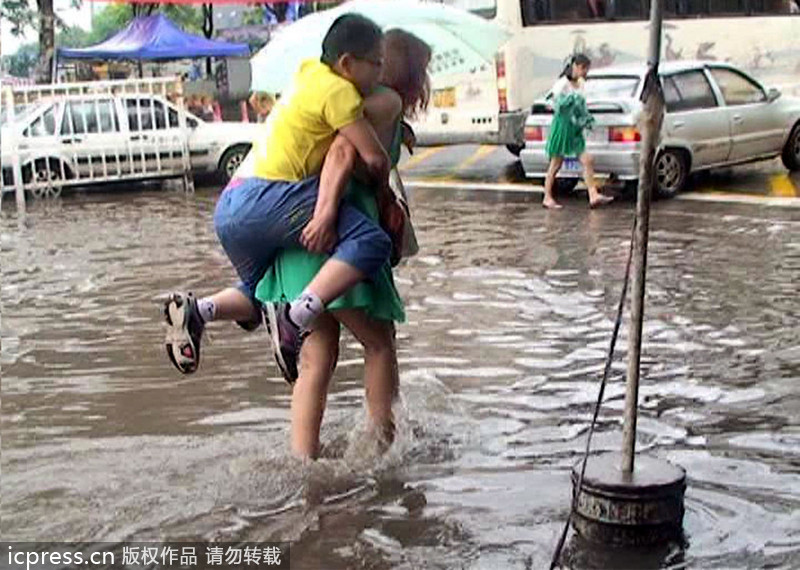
510	310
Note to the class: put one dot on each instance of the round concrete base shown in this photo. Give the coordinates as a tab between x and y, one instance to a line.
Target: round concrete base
646	508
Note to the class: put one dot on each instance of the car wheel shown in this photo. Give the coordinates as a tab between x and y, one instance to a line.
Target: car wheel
671	173
515	149
791	152
565	185
562	186
43	174
232	159
630	188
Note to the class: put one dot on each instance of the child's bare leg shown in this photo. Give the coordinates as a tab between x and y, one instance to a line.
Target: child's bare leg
233	305
362	248
187	316
595	197
381	377
319	355
549	182
335	277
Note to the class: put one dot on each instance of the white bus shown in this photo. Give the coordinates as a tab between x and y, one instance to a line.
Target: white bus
489	104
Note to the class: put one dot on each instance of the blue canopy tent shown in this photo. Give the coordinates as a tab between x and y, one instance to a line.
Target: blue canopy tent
154	38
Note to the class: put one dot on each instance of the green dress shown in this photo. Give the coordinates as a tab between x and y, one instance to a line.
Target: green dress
570	119
294	268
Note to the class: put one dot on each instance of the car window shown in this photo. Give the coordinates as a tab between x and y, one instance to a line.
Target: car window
173	118
736	88
693	91
43	126
133	114
672	98
140	117
161	121
611	86
66	122
109	123
80	118
144	115
21	112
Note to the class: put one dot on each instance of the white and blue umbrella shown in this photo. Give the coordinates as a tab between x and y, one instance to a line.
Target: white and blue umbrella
460	41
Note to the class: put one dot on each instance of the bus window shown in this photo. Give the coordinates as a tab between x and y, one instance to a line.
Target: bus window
774	6
685	7
727	6
534	11
627	9
570	10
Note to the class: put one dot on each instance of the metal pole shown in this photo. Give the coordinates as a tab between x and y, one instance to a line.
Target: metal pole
188	180
16	168
651	119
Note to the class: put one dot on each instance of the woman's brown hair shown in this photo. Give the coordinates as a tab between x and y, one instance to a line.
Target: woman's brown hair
405	69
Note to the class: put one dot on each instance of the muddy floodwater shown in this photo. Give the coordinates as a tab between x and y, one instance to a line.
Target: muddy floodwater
510	310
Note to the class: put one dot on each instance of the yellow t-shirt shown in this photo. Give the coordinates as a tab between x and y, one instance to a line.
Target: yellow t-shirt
302	125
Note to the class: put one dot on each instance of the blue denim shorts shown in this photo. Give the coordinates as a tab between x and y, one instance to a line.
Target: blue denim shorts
256	218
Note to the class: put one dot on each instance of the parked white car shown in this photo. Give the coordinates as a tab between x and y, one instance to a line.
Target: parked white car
716	115
80	139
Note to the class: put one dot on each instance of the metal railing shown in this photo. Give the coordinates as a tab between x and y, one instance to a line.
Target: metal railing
93	133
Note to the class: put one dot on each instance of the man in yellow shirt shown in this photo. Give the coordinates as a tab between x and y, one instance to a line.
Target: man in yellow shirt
293	199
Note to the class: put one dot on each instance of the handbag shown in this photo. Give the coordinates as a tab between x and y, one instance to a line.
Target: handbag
396	220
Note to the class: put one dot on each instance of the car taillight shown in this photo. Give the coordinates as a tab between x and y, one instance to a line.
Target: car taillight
624	134
534	133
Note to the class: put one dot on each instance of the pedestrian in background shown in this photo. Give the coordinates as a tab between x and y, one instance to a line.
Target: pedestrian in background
566	139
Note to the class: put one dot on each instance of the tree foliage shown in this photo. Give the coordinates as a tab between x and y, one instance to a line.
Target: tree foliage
19	14
107	22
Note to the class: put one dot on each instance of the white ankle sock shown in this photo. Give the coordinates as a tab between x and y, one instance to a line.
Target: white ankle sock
207	309
305	309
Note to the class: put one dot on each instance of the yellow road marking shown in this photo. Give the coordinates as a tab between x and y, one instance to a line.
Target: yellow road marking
482	151
782	185
530	188
419	156
726	192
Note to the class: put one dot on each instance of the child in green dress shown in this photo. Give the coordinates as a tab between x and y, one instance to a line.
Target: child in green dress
570	119
370	309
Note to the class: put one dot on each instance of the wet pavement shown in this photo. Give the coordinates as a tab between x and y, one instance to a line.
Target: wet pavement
477	165
510	309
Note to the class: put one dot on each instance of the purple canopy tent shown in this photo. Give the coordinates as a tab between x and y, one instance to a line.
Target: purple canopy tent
154	38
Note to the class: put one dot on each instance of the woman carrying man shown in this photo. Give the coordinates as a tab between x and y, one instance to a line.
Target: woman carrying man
370	309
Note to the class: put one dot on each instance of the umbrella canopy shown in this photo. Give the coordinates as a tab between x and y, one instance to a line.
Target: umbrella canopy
155	38
460	41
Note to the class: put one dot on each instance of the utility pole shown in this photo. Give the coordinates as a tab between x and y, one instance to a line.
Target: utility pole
652	118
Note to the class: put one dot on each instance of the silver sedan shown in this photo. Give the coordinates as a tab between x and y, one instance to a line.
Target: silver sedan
717	115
